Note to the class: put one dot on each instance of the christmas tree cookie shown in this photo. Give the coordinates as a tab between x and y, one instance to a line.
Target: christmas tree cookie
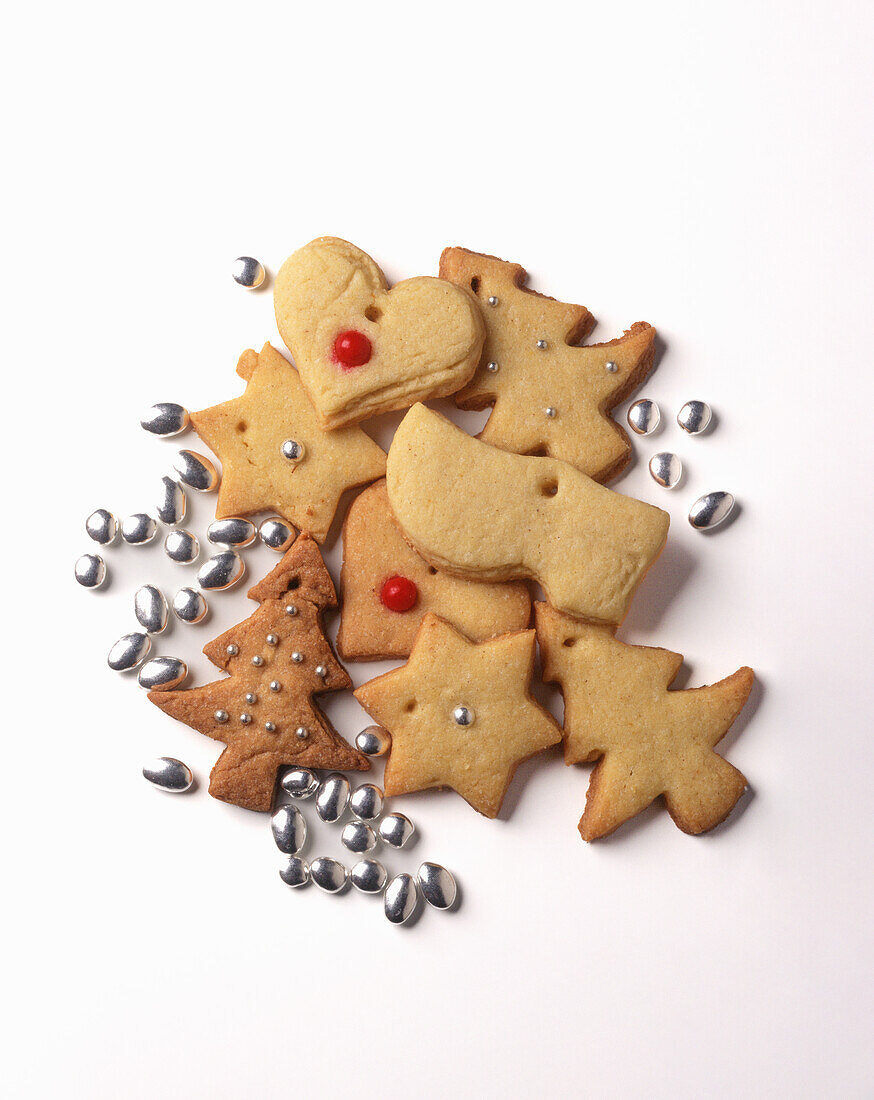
550	395
387	589
277	660
648	741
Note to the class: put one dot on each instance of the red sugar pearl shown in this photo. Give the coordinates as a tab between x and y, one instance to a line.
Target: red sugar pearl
352	349
399	593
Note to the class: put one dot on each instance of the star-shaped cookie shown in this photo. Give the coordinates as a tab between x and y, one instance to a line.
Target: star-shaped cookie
648	741
550	395
461	714
275	455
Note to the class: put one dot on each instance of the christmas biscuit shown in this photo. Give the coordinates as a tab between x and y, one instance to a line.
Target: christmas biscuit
363	349
648	741
550	395
275	456
487	514
277	660
387	589
461	714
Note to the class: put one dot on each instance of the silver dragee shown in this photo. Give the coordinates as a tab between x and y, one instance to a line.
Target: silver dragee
289	829
150	608
276	534
328	874
401	898
300	783
221	571
694	417
366	801
248	272
358	836
373	741
166	418
102	526
233	531
437	885
90	570
644	416
710	510
138	529
129	651
666	469
196	471
162	674
396	829
172	505
368	876
190	605
181	547
168	774
332	797
296	872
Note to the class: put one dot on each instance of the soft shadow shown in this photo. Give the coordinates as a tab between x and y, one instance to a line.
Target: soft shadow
523	773
661	585
744	718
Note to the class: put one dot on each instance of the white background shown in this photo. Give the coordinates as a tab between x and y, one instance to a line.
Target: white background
705	167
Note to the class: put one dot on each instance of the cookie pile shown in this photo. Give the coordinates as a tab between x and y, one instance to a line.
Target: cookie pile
439	549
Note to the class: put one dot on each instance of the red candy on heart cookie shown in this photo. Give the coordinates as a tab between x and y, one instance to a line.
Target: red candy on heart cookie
399	594
352	349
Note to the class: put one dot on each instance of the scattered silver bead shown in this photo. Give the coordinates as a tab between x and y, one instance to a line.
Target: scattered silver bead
666	469
333	797
301	733
297	657
165	419
251	698
150	608
291	610
493	367
373	741
551	411
162	674
401	898
102	526
611	367
321	672
90	570
189	606
221	571
358	837
272	639
248	272
710	510
138	529
492	300
300	783
296	872
542	344
232	650
437	885
289	830
234	532
366	801
245	718
129	651
221	716
292	450
276	534
181	547
168	774
172	505
196	471
257	660
275	685
395	830
644	416
694	417
463	716
328	874
368	876
270	727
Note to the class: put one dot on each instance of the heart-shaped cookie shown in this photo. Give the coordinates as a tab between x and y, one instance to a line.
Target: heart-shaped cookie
362	348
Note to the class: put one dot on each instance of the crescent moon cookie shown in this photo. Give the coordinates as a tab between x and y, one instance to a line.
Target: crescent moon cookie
648	741
362	348
488	514
550	395
460	714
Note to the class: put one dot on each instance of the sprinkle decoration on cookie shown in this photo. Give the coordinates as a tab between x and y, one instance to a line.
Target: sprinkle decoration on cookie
352	349
399	594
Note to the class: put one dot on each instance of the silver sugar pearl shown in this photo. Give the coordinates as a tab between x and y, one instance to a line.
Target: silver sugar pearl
710	510
296	872
165	419
168	774
328	874
551	411
300	783
181	547
666	469
694	417
245	718
251	698
276	534
257	660
437	885
289	829
321	672
189	605
366	801
333	797
492	300
401	898
463	716
232	650
368	876
235	531
395	830
542	344
291	610
493	367
138	529
275	685
221	571
297	657
611	367
272	639
150	609
270	727
172	505
162	674
90	570
129	651
248	272
292	450
102	526
301	733
644	416
221	716
358	837
196	471
373	741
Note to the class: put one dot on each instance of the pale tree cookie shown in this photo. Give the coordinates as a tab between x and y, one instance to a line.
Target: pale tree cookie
648	741
276	661
460	714
275	456
362	348
491	515
551	396
387	589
